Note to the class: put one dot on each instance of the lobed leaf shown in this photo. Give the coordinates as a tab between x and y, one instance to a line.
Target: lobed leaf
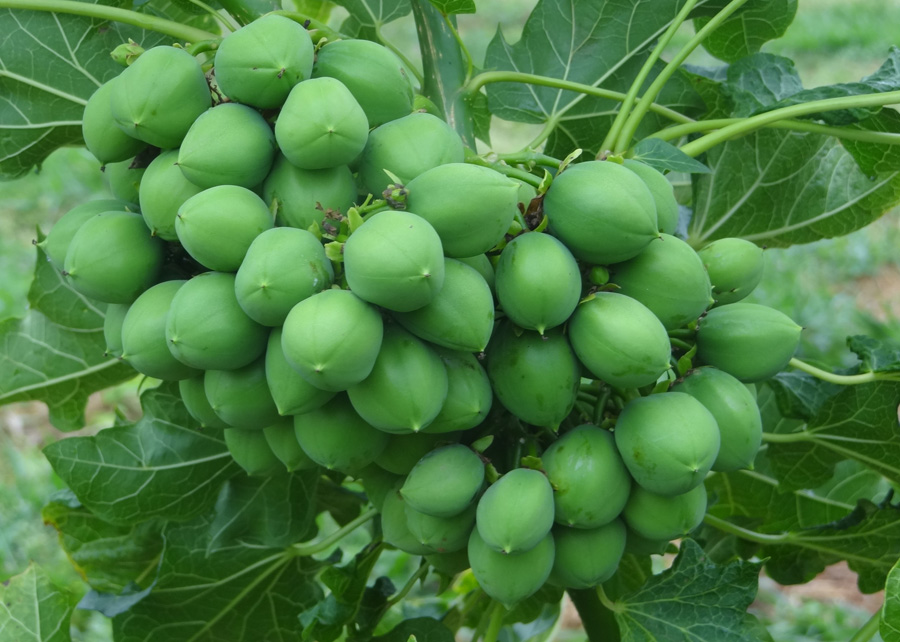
449	7
748	29
875	355
664	157
33	609
370	15
890	615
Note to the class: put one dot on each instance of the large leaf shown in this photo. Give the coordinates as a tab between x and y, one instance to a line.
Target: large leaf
748	29
424	629
32	609
163	466
373	14
890	617
875	355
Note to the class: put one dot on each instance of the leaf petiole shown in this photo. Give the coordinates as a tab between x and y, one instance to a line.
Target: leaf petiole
869	629
843	380
846	133
306	549
745	533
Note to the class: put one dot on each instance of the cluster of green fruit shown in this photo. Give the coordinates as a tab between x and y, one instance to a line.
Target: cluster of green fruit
369	360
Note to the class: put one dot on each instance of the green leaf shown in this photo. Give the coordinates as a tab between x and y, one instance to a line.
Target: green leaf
481	117
876	158
631	574
163	466
370	15
33	609
449	7
875	355
748	29
707	82
758	81
800	395
423	629
664	157
693	600
890	616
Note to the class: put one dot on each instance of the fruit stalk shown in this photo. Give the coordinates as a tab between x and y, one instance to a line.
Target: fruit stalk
846	133
305	549
843	380
598	620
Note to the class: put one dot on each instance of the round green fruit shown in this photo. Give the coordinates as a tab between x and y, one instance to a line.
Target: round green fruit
516	512
469	395
113	319
241	397
663	194
587	557
163	190
282	439
124	179
395	528
252	452
510	578
445	481
292	394
302	197
441	534
404	451
668	442
193	394
104	140
665	517
735	268
56	245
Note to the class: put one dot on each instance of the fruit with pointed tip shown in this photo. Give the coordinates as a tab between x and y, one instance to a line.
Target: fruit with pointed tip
163	190
469	395
662	191
510	578
303	197
516	512
252	452
587	557
661	518
735	268
104	140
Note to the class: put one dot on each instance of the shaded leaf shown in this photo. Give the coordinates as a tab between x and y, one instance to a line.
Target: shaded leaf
631	574
800	395
424	629
664	157
875	355
368	15
481	117
890	616
760	80
33	609
707	82
747	29
876	158
113	604
448	7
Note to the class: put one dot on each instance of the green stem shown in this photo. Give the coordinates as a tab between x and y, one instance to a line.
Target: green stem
522	175
634	119
406	61
495	623
596	616
744	533
846	133
226	22
679	343
411	582
641	78
787	437
843	380
869	629
747	125
103	12
314	24
312	548
527	157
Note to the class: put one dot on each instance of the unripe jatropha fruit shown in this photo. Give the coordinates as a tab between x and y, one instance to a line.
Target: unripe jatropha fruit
377	483
107	143
252	452
123	180
395	260
293	395
229	144
619	340
663	194
144	344
159	96
749	341
587	557
395	528
407	147
241	397
516	511
735	411
603	212
589	477
57	242
282	266
217	226
302	197
510	578
460	316
735	268
668	442
332	339
163	190
535	377
445	481
193	394
113	319
484	266
442	534
113	258
669	278
372	73
282	439
259	63
538	282
404	451
471	207
321	125
469	395
335	437
665	517
207	329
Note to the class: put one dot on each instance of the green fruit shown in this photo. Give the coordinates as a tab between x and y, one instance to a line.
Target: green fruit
669	278
259	64
668	442
516	512
535	377
407	147
252	452
460	316
113	319
193	394
395	529
469	395
445	481
442	534
603	212
510	578
406	388
321	125
113	258
159	96
207	329
241	397
163	190
449	564
377	483
395	260
104	140
665	517
124	181
335	437
372	73
293	395
301	197
404	451
619	340
735	411
56	245
735	268
585	558
217	226
663	194
749	341
282	267
332	339
144	342
484	266
538	282
230	144
589	477
471	207
282	439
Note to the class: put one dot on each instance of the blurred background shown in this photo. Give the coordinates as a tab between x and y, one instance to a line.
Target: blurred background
833	288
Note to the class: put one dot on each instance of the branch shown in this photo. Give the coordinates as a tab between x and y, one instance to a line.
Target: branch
843	380
846	133
596	616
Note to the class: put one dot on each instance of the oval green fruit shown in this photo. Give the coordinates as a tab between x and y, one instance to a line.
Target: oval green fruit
282	439
395	260
469	395
404	451
587	557
193	394
668	442
603	212
104	140
735	268
113	319
619	340
124	179
57	242
302	197
332	339
292	394
484	266
663	194
510	578
538	282
441	534
445	481
241	397
588	475
163	190
749	341
252	452
395	529
665	517
516	512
